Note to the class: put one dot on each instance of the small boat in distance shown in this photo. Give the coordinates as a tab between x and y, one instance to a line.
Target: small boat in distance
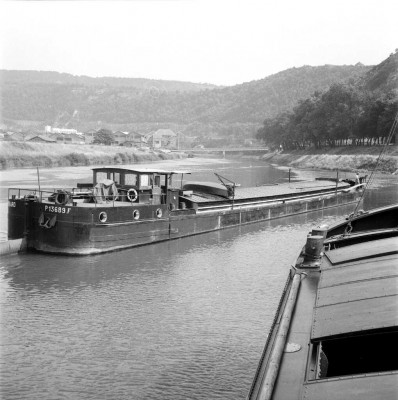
125	207
336	327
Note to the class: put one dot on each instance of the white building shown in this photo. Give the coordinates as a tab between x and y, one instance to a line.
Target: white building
64	131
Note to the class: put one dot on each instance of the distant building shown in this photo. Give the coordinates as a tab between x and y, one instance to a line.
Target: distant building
41	139
65	131
70	139
162	138
135	139
15	136
120	137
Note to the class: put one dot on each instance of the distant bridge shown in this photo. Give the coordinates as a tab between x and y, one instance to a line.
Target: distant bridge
227	150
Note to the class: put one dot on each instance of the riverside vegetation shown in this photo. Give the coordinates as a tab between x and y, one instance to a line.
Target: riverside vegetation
352	158
23	154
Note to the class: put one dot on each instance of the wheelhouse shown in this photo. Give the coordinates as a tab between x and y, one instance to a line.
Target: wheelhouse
144	186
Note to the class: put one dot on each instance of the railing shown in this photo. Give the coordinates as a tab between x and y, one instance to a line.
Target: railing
74	194
28	194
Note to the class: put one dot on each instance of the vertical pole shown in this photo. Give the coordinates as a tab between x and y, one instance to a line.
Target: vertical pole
337	178
289	174
38	177
233	197
38	181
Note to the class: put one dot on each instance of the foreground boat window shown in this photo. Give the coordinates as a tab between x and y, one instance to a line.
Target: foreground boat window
359	354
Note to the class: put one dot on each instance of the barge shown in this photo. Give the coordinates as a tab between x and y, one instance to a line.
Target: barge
125	207
336	326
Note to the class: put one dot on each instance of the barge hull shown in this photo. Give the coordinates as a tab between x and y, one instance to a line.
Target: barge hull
76	237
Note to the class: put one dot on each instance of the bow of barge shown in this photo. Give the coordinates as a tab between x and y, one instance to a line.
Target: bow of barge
335	332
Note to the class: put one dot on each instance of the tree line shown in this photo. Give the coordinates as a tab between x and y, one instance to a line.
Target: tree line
343	115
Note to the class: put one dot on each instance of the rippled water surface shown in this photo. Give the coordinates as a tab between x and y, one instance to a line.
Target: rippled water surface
184	319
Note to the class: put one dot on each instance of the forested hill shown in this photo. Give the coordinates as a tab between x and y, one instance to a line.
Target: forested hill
256	100
62	99
26	78
356	112
382	77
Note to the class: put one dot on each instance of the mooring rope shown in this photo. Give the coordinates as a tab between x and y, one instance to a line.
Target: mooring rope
372	175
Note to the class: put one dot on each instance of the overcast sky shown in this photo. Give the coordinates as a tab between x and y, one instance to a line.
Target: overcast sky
224	42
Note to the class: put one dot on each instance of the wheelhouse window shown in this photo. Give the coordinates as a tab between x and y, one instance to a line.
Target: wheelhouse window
157	180
115	176
146	180
130	179
101	177
356	354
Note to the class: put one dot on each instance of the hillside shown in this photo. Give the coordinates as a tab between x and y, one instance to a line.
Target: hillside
40	98
360	111
56	78
256	100
382	77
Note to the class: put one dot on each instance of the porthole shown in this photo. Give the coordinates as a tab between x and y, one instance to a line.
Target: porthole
159	213
103	216
136	214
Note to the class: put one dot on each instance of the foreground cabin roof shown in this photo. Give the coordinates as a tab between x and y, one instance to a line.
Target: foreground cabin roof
355	321
358	289
345	326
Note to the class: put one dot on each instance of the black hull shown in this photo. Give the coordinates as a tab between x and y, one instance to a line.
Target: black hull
78	231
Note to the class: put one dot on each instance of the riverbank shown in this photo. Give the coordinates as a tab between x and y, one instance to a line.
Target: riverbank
361	158
24	155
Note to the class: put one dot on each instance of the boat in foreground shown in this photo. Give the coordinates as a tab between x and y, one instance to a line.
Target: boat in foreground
335	332
124	207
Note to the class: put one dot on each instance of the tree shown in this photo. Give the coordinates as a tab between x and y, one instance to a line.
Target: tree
104	136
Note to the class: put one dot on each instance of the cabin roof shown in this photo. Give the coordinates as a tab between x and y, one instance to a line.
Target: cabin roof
358	291
141	170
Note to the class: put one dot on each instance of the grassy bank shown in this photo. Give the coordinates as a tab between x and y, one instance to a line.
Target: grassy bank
345	159
21	155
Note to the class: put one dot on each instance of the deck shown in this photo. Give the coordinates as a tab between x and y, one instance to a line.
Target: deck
348	311
272	191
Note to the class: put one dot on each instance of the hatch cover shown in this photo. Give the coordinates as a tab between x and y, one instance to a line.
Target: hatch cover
364	250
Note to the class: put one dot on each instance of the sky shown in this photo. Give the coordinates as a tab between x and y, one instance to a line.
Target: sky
223	42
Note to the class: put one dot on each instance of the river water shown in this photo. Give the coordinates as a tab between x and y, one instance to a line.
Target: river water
184	319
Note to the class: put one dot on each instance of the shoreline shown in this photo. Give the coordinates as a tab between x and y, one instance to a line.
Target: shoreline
18	155
343	159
